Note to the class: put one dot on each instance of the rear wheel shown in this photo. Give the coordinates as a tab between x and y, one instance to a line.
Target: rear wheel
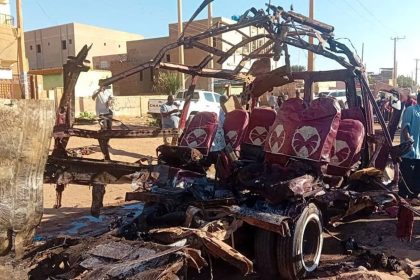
265	254
300	253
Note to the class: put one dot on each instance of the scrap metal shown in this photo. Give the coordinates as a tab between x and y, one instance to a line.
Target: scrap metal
181	212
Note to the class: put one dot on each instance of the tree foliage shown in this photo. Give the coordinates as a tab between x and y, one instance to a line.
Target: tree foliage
405	81
167	83
298	68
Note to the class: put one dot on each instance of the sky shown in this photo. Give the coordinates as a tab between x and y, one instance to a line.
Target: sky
372	22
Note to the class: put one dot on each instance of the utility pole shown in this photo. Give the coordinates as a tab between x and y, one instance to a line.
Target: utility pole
417	68
394	74
181	48
363	51
210	24
22	61
311	39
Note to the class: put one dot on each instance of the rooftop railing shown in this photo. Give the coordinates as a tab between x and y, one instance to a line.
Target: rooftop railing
7	20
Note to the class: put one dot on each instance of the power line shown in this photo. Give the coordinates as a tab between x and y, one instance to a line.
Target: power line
372	14
45	13
366	17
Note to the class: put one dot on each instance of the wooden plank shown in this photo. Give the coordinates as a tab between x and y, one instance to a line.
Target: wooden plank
26	127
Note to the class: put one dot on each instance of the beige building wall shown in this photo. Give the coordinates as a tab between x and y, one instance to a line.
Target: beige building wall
104	41
8	46
50	47
44	47
142	51
138	52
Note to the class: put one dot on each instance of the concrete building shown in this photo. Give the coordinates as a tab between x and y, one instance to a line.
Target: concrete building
141	51
384	76
9	81
50	47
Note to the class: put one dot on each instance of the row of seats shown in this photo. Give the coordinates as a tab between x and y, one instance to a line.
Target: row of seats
322	133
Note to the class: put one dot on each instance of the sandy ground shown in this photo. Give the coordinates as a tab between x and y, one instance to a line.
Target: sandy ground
377	232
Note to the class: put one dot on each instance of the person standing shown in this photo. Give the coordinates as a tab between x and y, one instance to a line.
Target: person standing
410	165
272	101
103	102
169	112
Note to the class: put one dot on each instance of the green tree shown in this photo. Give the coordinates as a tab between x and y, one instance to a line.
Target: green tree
167	83
298	68
405	81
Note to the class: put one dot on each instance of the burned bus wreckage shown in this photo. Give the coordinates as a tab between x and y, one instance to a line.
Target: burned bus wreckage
282	176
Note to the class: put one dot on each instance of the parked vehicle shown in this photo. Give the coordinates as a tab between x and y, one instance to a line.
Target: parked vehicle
340	95
202	101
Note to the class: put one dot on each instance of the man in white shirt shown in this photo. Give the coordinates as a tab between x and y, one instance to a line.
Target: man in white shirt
170	116
103	98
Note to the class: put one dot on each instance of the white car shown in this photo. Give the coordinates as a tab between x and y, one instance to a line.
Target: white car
202	101
340	95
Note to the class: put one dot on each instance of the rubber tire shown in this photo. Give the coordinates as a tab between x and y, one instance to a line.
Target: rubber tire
289	260
265	254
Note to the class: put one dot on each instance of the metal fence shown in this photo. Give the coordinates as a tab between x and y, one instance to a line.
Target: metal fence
7	20
10	88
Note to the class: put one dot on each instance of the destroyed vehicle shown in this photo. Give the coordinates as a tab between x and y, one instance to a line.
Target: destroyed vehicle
285	174
282	176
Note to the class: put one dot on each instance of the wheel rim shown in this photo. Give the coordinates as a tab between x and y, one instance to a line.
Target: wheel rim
311	243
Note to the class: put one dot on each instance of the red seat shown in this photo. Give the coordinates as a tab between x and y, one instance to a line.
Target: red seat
278	145
354	113
304	133
234	127
346	151
200	132
259	124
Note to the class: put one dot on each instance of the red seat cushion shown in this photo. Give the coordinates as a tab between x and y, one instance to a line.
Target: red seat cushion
304	133
278	144
347	147
234	127
200	132
259	124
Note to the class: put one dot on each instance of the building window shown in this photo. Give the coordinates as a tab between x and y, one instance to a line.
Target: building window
30	47
141	76
38	48
119	46
215	42
151	74
70	41
64	44
104	64
104	44
168	58
48	43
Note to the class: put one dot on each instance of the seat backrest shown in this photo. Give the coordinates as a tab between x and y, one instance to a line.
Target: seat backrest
304	133
260	121
346	151
277	145
354	113
200	132
234	127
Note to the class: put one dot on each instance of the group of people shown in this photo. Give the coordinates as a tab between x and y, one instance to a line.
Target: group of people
275	102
